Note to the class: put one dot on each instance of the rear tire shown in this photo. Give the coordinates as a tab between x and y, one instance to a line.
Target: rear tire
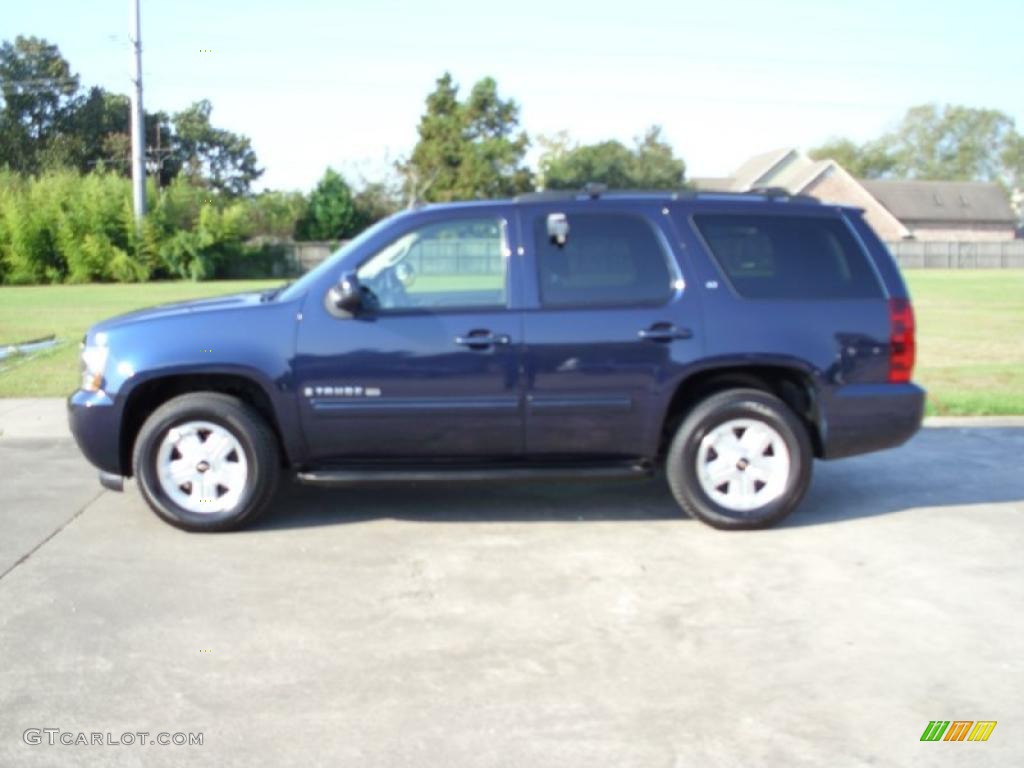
741	459
206	462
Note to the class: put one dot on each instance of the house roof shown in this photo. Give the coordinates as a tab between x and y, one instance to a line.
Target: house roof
786	168
751	172
954	201
796	174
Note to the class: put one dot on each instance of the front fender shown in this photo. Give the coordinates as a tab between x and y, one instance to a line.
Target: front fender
254	343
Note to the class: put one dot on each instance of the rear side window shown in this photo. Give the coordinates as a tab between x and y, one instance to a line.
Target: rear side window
789	257
605	260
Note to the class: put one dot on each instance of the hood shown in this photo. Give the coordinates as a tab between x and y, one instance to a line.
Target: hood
213	305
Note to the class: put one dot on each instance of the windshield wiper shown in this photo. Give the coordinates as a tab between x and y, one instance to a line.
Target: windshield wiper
272	293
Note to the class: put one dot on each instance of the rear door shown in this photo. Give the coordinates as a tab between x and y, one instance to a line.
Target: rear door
608	325
791	283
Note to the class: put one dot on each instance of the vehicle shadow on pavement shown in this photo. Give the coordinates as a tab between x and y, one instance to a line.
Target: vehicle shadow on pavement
939	467
944	466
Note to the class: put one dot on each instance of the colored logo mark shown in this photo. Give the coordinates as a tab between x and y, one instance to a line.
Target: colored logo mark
958	730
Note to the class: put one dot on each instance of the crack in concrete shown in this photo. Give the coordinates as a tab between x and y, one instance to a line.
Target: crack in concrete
59	528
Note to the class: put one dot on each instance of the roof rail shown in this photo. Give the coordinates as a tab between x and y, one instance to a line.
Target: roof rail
547	194
596	191
591	189
769	191
783	193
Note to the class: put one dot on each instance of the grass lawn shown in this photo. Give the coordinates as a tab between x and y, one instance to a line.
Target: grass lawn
970	332
970	339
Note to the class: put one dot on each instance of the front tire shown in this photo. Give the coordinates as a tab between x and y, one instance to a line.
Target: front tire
741	459
206	462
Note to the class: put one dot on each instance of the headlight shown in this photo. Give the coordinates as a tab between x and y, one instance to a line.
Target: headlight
94	362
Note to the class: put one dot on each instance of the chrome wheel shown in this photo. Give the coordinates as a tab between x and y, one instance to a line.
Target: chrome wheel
202	467
743	464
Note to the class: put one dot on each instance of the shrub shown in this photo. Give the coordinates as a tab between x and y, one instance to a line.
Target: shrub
63	226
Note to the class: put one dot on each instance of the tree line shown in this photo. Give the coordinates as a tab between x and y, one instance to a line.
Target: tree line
65	198
950	143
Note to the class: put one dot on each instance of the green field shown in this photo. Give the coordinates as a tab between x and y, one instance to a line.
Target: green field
970	333
970	336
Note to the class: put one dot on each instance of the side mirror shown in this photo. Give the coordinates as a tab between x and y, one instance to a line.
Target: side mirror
347	295
558	229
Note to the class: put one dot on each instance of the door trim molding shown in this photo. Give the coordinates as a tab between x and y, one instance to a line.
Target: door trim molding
503	404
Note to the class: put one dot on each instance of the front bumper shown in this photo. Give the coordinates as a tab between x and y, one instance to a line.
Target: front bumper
860	418
95	421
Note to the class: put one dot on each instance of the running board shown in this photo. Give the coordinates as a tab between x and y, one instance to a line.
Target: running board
361	475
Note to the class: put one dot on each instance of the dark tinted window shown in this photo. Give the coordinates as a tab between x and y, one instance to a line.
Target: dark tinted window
789	257
607	260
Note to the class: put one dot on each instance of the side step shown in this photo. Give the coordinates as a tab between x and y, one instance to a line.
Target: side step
447	474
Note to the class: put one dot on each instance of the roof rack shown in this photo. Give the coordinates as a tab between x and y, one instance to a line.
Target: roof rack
596	191
772	193
592	190
548	194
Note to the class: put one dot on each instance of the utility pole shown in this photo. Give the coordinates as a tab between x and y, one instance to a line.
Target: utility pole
138	119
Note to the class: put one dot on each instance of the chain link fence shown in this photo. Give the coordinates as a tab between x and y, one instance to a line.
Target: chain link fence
923	254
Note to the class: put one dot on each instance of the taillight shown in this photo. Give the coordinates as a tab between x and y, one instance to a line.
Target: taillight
901	340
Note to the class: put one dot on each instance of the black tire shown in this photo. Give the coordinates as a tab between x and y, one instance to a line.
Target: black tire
681	465
250	430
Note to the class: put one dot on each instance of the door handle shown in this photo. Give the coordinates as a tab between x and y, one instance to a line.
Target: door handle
481	340
664	332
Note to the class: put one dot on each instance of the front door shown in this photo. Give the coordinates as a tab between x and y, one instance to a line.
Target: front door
430	368
607	326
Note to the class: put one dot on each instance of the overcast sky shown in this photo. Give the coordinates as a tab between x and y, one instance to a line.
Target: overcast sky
332	82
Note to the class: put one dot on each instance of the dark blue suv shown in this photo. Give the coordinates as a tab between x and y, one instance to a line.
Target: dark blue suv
730	339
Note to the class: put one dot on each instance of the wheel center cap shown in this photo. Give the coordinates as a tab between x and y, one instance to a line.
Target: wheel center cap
202	466
742	464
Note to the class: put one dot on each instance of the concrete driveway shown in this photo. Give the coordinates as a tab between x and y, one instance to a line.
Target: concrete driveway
518	625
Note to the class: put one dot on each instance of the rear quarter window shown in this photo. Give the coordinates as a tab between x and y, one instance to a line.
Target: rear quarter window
789	257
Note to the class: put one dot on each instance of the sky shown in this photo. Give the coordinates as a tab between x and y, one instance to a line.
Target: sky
318	83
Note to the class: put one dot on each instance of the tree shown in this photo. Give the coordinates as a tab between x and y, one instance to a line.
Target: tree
651	164
1013	160
953	142
95	122
37	88
865	161
655	165
222	159
47	123
276	214
609	163
466	150
331	214
376	200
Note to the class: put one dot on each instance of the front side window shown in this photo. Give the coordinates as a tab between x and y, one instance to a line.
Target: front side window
600	260
449	264
789	257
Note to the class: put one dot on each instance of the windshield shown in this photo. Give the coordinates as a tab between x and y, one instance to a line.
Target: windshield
301	285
